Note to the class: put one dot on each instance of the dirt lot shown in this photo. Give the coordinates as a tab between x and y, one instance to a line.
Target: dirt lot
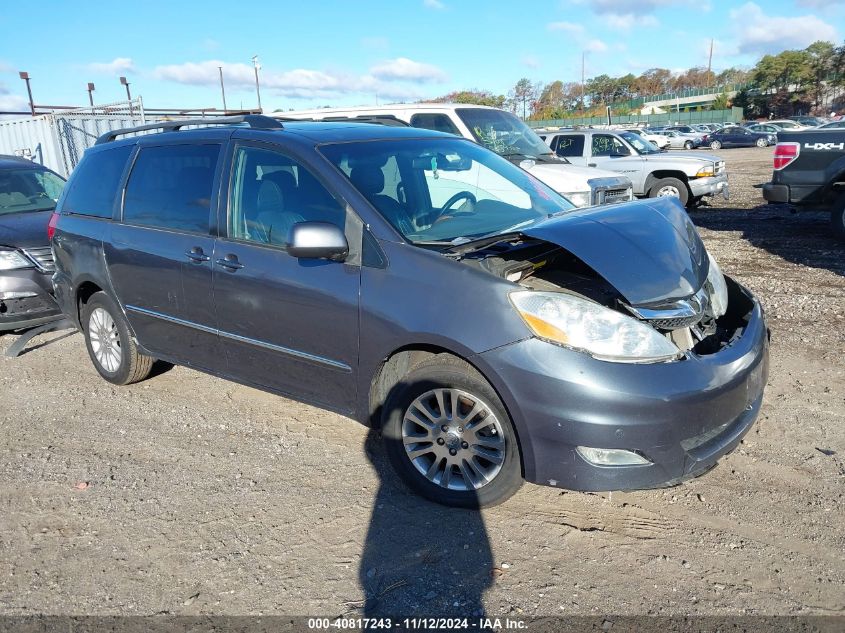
207	497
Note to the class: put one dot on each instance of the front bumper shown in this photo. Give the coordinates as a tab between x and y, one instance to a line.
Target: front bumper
682	416
26	299
710	186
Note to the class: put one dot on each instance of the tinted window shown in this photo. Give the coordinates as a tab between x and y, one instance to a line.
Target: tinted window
28	189
605	145
171	187
271	192
436	122
570	145
95	182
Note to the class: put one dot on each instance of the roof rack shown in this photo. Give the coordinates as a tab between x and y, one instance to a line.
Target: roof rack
255	121
381	119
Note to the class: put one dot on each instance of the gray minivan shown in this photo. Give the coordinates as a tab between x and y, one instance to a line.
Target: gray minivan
498	336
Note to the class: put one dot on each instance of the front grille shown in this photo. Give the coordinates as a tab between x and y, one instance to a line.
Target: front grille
676	323
616	195
42	258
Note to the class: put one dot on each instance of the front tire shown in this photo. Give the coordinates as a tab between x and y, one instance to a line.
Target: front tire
449	438
688	145
670	187
110	344
715	145
761	142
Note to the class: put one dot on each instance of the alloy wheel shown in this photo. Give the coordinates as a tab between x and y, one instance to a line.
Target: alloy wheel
105	340
668	190
454	439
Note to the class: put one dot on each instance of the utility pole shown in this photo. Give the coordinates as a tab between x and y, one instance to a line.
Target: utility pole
222	89
91	93
583	66
710	62
256	66
25	76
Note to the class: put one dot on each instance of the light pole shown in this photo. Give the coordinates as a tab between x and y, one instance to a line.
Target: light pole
222	89
256	65
91	94
128	94
25	76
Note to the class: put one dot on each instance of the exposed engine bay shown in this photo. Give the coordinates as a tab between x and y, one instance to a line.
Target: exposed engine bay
691	323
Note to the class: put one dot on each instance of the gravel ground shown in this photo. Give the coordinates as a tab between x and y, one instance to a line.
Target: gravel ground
186	494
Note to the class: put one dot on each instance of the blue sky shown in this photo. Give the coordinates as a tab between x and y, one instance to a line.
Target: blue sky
343	53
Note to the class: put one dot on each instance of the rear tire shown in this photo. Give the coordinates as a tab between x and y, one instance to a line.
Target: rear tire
110	344
688	145
670	187
715	145
451	390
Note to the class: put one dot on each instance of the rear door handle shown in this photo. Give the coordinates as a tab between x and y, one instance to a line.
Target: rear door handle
230	262
591	164
196	255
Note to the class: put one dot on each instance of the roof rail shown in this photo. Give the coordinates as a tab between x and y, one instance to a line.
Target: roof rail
382	119
255	121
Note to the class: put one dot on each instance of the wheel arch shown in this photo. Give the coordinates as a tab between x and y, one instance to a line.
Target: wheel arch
403	360
659	174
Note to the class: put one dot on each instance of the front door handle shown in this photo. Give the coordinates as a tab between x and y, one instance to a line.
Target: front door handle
591	164
230	262
196	255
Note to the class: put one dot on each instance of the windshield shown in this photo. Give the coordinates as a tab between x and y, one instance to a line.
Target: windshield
441	191
503	133
27	190
640	144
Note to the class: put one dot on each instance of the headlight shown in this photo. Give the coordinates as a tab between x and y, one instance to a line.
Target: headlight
719	289
11	260
706	172
580	324
578	198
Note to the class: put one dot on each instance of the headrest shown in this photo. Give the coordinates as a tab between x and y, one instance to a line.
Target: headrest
369	179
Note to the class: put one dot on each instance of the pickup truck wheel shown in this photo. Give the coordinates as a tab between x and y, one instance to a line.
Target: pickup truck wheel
688	145
670	187
837	218
715	145
448	436
110	344
761	142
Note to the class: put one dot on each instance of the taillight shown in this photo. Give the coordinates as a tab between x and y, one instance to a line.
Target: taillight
51	225
785	153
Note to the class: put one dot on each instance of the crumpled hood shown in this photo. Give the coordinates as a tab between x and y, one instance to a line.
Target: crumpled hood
648	250
24	230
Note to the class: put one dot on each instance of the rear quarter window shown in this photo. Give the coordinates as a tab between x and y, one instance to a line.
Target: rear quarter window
94	184
434	121
171	187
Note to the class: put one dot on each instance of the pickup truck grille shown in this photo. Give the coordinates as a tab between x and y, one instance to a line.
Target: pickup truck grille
611	196
42	258
720	166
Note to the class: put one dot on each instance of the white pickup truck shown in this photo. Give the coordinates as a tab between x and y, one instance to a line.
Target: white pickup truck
689	177
499	131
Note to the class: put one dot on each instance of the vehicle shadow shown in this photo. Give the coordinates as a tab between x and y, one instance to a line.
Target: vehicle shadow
802	237
421	559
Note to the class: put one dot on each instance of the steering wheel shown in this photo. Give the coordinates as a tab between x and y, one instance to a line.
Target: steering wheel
461	195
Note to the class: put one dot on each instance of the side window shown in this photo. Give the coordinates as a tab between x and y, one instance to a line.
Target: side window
436	122
605	145
270	192
570	145
95	181
171	187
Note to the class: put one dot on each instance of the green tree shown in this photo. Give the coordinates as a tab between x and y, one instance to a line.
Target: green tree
722	102
475	97
521	96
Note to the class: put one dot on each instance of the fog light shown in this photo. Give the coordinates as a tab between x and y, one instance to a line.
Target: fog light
611	456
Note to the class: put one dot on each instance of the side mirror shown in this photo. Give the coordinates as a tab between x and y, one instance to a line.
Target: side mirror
317	240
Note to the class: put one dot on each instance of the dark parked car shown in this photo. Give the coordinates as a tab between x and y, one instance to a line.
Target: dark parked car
834	125
28	194
736	136
496	336
811	121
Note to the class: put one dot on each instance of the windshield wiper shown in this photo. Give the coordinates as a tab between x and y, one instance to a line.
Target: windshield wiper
482	242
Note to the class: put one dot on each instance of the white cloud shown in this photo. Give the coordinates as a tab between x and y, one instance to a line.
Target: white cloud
626	21
115	67
404	69
530	61
433	4
820	4
11	102
578	32
298	83
758	32
5	67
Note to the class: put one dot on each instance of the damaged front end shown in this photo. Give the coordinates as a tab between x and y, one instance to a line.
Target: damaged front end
628	285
